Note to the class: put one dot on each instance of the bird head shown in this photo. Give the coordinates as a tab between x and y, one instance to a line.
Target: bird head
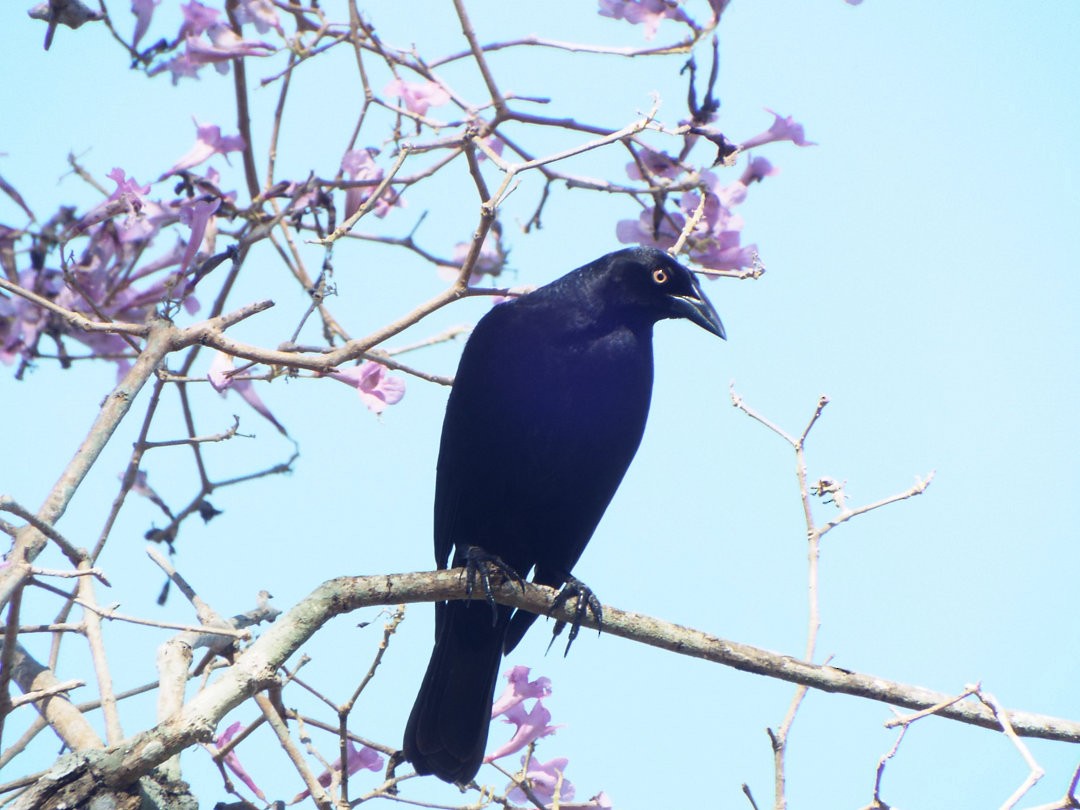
652	283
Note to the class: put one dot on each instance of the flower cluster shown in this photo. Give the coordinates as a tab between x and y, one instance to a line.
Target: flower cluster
648	13
113	278
545	780
362	758
116	276
207	38
359	166
715	240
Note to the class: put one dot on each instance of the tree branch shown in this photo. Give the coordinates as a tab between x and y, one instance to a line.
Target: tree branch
256	668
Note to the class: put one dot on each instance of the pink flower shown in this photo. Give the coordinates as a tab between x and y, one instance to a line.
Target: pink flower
259	12
197	214
490	262
492	142
224	46
519	688
715	241
757	169
531	726
20	321
232	761
660	164
543	778
373	383
643	12
127	189
128	198
359	164
219	375
197	18
418	97
208	142
220	379
782	129
642	231
356	759
143	11
180	66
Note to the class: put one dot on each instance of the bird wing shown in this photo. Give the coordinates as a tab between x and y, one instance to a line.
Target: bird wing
539	430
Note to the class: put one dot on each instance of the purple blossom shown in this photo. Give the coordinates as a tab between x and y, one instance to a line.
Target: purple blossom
377	389
143	11
641	231
531	726
519	688
197	18
359	164
715	241
180	66
643	12
223	46
659	164
141	486
208	142
494	143
418	97
197	214
757	169
108	280
127	189
20	321
220	379
128	198
356	759
782	129
174	255
232	761
219	373
543	778
261	13
490	262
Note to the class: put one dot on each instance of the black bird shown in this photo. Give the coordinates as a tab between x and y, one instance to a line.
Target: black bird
545	415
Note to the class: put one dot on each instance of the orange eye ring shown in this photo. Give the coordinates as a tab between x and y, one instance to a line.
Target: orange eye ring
659	275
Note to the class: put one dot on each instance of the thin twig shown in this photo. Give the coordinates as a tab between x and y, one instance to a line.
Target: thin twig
1035	771
113	731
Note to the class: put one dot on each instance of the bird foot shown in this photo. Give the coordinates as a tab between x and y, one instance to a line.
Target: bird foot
480	564
586	602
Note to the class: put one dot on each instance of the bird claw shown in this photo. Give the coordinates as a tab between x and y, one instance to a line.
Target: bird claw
479	563
586	602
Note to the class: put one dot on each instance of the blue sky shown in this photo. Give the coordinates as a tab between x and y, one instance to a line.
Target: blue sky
921	271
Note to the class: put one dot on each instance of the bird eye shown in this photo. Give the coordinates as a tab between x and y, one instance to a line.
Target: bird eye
659	275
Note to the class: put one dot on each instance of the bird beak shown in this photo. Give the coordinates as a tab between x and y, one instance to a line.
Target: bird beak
698	309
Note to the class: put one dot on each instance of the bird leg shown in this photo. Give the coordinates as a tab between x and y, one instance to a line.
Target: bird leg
586	602
480	563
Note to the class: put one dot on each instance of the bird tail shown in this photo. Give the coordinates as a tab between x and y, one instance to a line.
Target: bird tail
447	731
